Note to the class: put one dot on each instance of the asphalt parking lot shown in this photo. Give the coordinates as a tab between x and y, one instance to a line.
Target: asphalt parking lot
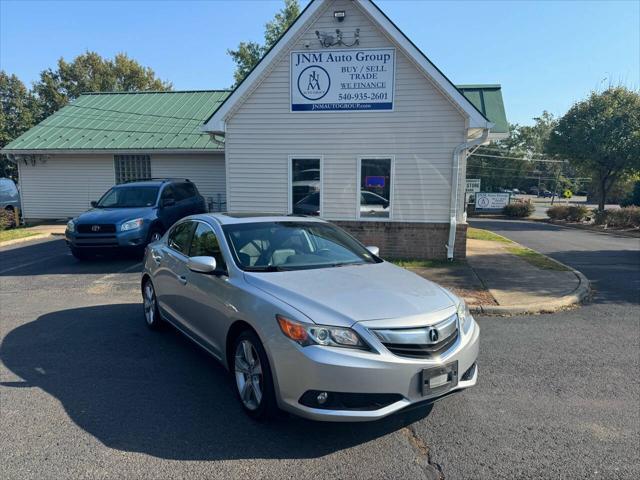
86	391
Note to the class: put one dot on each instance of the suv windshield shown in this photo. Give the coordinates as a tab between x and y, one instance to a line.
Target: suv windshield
129	197
278	246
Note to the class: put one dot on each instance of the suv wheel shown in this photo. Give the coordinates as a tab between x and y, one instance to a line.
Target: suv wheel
254	383
155	234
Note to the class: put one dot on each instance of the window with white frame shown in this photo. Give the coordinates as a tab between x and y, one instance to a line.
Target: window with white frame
132	167
305	186
375	188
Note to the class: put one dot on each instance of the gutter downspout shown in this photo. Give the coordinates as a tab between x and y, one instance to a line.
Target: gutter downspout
455	178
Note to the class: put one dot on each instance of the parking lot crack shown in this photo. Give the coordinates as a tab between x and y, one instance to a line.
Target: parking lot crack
432	469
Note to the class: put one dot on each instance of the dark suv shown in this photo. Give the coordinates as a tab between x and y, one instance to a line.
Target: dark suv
131	215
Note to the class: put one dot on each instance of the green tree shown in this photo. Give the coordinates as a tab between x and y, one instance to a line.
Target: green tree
90	72
600	136
248	54
18	113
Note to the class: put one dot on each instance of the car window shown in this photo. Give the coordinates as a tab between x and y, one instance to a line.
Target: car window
180	236
168	192
184	191
129	197
205	244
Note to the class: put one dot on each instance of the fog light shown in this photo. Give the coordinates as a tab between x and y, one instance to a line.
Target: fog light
322	397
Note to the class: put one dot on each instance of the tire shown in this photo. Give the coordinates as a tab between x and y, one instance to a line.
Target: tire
256	395
80	254
150	306
155	234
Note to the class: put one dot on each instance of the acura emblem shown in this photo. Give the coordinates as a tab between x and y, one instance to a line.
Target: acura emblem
433	335
95	228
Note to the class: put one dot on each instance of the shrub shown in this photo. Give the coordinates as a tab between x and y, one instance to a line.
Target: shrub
518	209
558	212
7	219
577	213
626	217
633	198
600	217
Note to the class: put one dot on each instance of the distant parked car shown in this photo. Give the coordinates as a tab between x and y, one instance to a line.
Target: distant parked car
9	195
545	194
132	215
515	191
534	191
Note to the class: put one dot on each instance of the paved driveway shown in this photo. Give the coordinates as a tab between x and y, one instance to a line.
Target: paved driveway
87	392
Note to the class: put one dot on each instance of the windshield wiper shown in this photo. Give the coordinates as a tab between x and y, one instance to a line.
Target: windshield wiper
266	268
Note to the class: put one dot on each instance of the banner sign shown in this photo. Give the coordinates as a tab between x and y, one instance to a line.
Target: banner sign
473	185
332	80
491	201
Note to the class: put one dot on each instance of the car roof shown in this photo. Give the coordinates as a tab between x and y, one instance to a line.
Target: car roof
230	218
153	182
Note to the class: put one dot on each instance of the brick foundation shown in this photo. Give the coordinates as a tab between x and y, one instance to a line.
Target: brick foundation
424	241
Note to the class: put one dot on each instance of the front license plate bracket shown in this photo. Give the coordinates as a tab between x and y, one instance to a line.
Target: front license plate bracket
438	380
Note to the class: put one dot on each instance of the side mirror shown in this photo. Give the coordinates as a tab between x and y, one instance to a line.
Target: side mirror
374	251
94	204
168	202
202	264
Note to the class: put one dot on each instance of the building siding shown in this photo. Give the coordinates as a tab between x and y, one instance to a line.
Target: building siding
64	185
205	170
420	134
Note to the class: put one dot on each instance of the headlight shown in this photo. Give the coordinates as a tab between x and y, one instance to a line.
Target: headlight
312	334
131	225
71	226
464	315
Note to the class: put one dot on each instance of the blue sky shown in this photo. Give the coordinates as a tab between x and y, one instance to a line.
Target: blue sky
546	54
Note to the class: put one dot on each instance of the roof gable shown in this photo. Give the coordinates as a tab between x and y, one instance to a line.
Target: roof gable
126	121
216	123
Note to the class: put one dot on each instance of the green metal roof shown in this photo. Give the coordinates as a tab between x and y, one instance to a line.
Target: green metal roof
488	99
168	121
126	121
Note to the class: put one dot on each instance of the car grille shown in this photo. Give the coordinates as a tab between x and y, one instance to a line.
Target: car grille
421	342
96	228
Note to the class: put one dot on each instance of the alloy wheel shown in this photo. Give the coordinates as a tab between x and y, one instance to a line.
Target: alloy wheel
155	236
249	378
149	303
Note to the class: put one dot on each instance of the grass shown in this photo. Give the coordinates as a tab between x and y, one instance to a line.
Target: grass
479	234
536	259
413	263
15	233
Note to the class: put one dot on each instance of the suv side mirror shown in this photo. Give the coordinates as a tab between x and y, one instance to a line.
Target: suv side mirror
94	204
168	202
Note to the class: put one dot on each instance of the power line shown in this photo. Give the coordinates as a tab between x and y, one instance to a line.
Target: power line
201	120
517	158
502	151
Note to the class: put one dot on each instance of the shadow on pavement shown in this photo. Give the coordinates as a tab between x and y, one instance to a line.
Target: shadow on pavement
53	258
157	393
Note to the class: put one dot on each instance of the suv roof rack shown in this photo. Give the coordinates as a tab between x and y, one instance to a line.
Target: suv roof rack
161	179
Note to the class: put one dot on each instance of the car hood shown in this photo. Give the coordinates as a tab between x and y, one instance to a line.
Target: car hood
112	215
344	295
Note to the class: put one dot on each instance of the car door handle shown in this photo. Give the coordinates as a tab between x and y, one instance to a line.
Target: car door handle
182	279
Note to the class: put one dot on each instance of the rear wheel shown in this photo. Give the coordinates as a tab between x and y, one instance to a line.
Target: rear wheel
254	383
150	306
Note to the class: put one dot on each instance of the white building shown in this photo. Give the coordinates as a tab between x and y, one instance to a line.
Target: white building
344	117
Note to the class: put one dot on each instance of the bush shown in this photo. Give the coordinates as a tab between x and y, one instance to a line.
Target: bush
7	219
633	198
577	213
626	217
518	209
558	212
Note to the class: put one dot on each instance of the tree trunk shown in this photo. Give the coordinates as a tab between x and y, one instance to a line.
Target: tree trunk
602	194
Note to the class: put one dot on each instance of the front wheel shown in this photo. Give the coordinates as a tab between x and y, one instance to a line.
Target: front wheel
150	306
254	383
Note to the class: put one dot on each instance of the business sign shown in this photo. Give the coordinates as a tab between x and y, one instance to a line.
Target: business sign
333	80
473	185
491	201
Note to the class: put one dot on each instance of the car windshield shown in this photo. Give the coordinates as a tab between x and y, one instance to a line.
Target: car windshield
294	245
129	197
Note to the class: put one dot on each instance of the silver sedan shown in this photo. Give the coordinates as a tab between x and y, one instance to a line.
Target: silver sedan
307	319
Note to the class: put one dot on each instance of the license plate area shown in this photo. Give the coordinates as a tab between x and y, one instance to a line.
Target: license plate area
439	379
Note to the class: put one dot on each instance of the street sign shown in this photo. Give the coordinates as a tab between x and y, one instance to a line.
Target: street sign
491	201
473	185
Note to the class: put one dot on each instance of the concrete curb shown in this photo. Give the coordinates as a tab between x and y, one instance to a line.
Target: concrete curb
581	292
593	230
38	236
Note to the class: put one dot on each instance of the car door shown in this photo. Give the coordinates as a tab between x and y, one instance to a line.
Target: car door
209	310
171	276
170	210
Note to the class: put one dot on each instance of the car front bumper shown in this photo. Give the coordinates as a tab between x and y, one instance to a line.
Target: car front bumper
129	239
326	369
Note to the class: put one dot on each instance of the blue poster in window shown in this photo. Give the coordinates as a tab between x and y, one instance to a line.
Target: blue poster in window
374	181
